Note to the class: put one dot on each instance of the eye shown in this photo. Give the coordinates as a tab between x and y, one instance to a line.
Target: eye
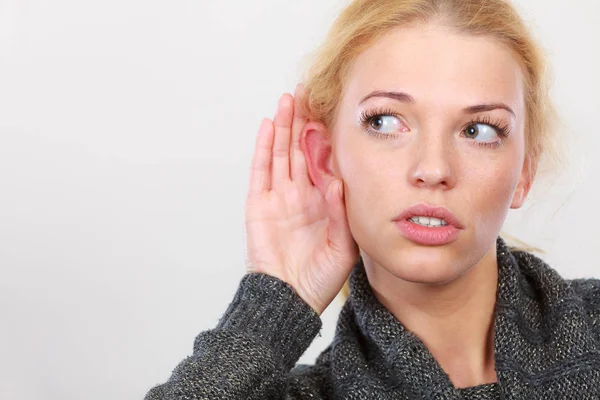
481	132
385	123
382	123
486	132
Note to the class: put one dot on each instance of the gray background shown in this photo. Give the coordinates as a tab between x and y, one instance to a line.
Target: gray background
126	133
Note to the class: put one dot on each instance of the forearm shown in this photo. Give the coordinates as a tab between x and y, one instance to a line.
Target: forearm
259	339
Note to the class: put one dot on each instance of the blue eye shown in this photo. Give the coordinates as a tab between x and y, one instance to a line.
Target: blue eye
481	132
486	132
382	123
385	123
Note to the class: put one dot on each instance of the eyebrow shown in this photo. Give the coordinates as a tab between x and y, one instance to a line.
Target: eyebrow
407	98
400	96
488	107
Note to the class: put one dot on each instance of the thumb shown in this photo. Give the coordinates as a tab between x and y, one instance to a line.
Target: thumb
339	230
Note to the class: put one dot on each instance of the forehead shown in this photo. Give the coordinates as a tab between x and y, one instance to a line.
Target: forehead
436	65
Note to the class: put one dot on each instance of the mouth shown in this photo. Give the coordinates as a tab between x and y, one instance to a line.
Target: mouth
430	216
429	225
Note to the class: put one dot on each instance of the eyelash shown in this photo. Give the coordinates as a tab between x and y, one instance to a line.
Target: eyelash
367	117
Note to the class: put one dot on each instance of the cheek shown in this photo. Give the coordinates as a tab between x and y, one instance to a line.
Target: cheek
375	184
490	187
366	178
357	170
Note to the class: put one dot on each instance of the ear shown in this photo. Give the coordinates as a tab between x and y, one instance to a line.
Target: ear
525	181
316	146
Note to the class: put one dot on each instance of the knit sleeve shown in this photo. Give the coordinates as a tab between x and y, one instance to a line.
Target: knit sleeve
250	353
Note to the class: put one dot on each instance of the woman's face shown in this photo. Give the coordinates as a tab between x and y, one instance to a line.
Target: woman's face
436	109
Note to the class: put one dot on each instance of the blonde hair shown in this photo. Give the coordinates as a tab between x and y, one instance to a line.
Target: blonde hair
362	22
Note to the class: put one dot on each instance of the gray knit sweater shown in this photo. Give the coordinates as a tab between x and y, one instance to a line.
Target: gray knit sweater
546	344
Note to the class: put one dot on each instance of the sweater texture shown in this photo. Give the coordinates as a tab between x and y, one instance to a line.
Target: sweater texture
545	344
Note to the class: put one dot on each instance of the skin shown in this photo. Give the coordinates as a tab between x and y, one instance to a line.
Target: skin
444	294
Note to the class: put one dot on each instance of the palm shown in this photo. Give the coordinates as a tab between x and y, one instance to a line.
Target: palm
293	233
290	224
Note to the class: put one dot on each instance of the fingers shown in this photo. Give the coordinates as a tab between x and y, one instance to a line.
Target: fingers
260	170
298	161
281	146
278	156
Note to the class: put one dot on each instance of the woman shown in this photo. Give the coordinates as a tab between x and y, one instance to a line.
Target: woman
420	124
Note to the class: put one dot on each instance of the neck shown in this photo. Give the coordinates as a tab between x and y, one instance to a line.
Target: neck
454	320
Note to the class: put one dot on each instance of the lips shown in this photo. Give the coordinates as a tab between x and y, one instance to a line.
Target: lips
425	210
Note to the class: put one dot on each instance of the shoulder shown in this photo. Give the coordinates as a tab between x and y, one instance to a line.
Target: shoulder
580	296
582	293
587	291
544	276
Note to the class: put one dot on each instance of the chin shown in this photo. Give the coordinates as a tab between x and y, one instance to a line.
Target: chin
434	265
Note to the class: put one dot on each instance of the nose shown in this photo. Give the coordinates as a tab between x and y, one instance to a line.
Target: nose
433	162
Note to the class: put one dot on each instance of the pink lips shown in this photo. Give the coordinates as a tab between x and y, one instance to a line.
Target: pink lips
429	236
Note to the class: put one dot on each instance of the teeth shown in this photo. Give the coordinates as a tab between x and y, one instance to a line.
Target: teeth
428	221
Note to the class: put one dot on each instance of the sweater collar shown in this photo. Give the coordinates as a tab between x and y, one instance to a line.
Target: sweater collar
527	289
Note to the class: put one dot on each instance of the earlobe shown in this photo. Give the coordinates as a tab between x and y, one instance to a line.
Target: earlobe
523	186
316	146
518	198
